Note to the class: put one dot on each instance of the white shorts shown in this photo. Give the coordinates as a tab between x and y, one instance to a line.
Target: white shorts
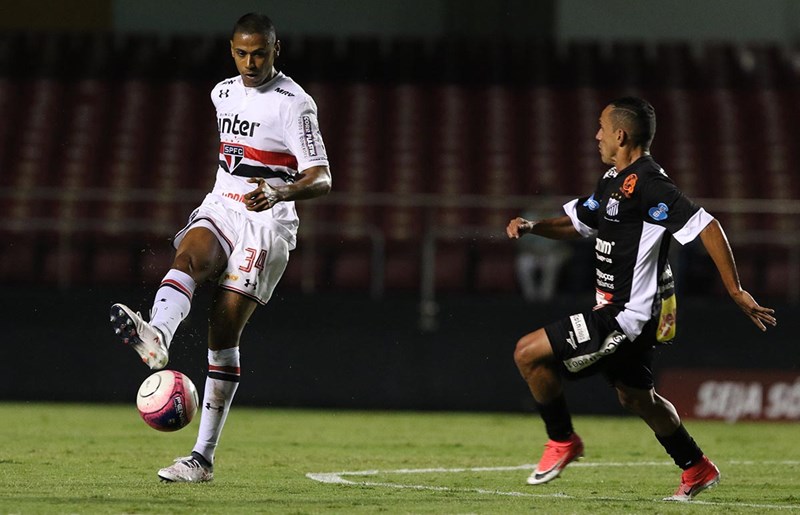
257	254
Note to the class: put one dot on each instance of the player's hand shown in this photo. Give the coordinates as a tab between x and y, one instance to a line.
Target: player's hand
758	314
263	197
517	227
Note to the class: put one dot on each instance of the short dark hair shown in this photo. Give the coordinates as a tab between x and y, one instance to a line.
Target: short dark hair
636	117
255	23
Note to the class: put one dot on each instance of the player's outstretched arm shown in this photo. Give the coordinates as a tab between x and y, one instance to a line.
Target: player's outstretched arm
716	243
559	228
313	182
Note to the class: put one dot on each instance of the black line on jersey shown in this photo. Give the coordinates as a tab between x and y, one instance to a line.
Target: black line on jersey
245	170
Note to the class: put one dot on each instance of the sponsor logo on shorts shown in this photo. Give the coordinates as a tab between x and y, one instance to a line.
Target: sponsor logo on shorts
571	340
231	277
579	325
609	346
659	212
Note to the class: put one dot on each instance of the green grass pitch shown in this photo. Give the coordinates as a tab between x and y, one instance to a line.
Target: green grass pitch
77	458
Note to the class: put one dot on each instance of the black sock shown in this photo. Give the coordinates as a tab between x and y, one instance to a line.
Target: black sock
557	420
202	459
682	447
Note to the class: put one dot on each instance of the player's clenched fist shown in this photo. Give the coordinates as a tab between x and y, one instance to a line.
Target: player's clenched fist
262	198
517	227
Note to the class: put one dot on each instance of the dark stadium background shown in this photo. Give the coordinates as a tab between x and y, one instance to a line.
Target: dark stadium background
442	120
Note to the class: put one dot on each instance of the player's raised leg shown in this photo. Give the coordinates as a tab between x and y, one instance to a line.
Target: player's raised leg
142	337
151	339
199	257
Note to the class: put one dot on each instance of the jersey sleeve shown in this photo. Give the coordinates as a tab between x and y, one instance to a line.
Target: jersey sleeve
583	213
303	137
665	205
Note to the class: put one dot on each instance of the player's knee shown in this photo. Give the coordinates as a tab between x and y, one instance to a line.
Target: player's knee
530	351
197	267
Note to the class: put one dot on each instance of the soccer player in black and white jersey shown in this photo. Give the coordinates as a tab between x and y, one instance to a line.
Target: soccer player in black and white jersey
271	154
633	214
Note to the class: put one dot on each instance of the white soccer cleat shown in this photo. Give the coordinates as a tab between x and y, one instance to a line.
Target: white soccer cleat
186	470
145	339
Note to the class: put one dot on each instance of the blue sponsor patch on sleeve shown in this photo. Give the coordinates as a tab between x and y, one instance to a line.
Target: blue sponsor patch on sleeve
659	212
591	204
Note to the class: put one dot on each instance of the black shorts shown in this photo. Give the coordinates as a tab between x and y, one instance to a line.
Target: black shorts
591	342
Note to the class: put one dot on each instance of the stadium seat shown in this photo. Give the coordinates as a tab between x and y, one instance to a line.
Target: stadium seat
452	266
65	263
154	260
352	266
114	261
422	135
495	270
402	266
20	256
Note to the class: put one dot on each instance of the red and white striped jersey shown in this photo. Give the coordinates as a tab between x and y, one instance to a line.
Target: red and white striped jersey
270	131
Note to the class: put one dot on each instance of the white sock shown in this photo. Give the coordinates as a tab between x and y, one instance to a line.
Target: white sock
221	384
172	303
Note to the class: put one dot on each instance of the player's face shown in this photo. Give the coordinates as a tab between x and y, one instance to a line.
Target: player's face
607	138
254	56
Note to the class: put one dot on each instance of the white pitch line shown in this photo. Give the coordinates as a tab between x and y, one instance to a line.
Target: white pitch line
336	478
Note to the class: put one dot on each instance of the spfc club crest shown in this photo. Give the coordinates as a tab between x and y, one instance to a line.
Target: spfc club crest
233	155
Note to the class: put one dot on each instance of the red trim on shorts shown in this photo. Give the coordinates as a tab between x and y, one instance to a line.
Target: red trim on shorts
241	292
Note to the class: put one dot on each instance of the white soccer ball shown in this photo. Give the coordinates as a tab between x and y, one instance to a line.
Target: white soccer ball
167	400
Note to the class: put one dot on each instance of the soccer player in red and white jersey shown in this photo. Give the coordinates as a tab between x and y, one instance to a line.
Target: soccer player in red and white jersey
633	214
271	153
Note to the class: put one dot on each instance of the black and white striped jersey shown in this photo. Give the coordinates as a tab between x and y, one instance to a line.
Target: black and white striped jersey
632	214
